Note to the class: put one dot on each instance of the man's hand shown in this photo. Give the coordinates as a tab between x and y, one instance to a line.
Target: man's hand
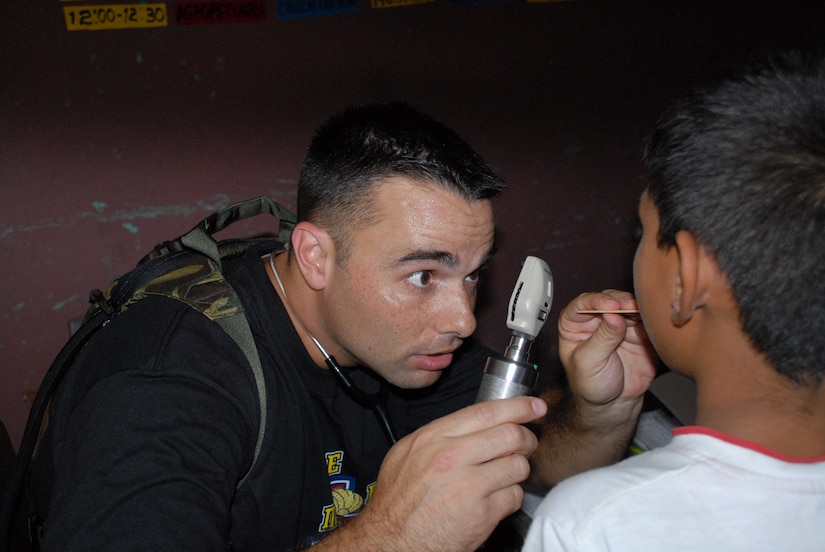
607	357
609	366
446	486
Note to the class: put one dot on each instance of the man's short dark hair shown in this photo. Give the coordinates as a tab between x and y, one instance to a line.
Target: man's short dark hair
742	167
361	146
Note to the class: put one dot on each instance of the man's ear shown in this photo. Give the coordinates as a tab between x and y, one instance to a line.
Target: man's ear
690	288
313	248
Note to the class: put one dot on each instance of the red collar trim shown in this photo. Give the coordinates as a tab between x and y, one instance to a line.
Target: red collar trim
699	430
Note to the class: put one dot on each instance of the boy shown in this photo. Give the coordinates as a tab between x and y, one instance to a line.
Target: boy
730	283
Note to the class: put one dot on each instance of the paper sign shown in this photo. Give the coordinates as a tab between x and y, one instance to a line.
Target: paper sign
293	9
464	2
118	16
378	4
223	11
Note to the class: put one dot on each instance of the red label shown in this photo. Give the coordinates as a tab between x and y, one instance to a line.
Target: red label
229	11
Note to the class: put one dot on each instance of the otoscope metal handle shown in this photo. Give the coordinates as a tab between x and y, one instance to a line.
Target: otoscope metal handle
505	378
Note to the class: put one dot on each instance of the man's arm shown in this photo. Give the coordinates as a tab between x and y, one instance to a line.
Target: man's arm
152	431
609	366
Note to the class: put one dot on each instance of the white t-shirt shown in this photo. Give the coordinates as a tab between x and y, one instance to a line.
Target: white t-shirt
702	492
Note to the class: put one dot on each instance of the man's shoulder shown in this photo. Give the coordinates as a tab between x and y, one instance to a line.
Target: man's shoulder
159	335
152	322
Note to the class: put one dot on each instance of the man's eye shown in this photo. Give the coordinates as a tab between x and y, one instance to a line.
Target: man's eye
474	277
422	278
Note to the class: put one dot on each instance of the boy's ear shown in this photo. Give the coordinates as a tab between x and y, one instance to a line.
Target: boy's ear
691	288
313	248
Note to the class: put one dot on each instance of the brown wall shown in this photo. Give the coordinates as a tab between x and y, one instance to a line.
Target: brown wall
111	141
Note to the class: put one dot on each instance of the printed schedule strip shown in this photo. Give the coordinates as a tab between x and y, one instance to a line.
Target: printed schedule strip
115	16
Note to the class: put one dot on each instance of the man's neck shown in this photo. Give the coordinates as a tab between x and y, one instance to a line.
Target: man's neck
291	293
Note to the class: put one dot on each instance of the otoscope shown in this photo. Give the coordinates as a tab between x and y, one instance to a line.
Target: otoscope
511	375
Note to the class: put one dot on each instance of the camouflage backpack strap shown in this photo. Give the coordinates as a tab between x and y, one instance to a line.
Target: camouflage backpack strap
189	270
200	237
200	284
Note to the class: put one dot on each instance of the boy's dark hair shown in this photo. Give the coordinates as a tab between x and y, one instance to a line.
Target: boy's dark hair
742	168
360	146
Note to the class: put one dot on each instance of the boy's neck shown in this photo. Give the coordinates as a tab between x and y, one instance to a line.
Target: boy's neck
765	408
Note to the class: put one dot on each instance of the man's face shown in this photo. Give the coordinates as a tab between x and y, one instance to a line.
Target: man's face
403	300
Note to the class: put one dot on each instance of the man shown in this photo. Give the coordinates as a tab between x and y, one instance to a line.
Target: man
150	438
729	279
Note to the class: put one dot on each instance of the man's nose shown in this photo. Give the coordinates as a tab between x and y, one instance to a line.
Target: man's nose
456	314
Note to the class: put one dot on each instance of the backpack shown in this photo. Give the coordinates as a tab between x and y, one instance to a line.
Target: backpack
187	269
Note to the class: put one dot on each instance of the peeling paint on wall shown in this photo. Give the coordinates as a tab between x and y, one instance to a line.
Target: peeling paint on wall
218	201
60	304
47	224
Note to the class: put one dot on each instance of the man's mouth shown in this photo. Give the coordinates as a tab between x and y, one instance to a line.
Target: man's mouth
435	361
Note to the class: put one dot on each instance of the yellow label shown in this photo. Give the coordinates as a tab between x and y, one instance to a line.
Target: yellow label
115	16
395	3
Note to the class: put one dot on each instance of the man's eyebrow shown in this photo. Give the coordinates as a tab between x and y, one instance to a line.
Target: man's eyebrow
441	257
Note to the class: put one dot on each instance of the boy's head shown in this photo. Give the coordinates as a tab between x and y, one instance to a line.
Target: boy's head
741	168
362	146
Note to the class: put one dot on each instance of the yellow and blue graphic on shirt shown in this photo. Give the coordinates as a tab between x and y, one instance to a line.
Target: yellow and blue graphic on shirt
346	502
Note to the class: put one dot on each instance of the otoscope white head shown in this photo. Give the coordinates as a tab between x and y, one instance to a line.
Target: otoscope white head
531	299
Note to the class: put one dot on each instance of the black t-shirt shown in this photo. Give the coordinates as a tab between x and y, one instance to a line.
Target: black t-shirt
157	423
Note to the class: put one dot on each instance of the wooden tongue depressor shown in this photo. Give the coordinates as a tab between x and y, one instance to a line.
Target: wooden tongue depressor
608	311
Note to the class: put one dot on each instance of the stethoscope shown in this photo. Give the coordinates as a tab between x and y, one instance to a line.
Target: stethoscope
376	401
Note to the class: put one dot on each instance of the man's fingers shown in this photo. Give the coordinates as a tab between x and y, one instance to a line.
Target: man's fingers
489	414
507	500
501	440
503	472
608	300
611	332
